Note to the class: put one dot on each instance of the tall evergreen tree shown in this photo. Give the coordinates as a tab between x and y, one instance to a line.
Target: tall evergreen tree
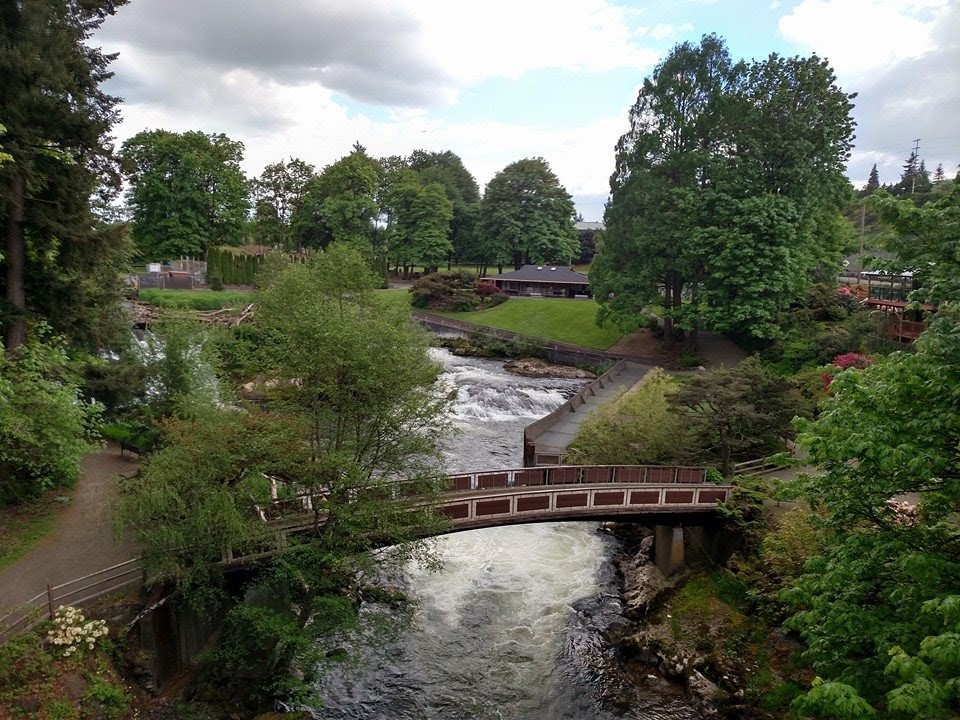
57	133
873	182
938	176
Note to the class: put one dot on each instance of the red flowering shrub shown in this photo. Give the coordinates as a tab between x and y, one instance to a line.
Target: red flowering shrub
852	360
486	288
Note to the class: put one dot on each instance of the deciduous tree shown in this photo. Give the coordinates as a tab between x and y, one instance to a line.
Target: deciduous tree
418	221
340	204
526	216
348	419
725	165
187	192
447	169
276	195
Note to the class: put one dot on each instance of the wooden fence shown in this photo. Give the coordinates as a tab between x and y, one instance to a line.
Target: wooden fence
76	592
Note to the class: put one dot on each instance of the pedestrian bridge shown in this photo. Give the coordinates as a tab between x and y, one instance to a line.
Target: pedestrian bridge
569	492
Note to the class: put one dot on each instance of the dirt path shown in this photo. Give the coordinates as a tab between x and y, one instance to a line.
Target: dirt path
81	541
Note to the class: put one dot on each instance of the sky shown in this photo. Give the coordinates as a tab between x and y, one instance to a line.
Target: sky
501	80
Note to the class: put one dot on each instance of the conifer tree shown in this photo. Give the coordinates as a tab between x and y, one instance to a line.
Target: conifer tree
873	182
57	132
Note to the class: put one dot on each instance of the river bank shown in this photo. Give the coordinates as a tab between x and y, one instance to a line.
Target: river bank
699	630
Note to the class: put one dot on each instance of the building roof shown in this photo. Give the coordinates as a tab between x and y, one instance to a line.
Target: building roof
544	274
589	225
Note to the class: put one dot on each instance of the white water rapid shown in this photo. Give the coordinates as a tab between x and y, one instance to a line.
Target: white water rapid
508	628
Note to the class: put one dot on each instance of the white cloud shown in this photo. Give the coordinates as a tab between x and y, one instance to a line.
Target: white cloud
861	36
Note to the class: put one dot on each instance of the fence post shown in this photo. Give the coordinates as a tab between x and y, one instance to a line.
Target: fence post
50	600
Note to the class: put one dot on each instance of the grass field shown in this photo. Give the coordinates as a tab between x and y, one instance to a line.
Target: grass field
567	321
560	320
196	299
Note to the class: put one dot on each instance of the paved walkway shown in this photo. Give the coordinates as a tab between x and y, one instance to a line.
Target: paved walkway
82	540
555	440
718	350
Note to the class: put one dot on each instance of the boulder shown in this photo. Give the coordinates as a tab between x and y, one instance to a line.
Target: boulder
532	367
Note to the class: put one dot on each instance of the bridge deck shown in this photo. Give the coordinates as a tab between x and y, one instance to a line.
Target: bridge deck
554	442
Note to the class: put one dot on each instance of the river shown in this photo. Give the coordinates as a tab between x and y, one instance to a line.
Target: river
511	626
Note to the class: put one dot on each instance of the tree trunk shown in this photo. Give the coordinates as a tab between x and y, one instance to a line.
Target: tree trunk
16	293
668	332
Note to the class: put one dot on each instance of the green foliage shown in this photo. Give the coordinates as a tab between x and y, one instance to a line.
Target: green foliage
215	279
339	204
785	550
348	411
526	216
22	660
60	262
742	232
233	265
833	700
867	605
187	192
456	291
925	242
277	193
737	413
447	169
110	701
418	228
45	427
62	710
636	428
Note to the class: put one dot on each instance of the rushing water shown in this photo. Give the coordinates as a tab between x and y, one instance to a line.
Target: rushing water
511	626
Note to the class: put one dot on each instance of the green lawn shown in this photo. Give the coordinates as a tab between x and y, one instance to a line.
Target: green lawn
567	321
560	320
196	299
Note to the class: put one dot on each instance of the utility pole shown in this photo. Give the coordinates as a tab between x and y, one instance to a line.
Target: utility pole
916	154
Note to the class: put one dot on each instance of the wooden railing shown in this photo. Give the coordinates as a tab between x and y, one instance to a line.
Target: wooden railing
478	498
77	593
760	466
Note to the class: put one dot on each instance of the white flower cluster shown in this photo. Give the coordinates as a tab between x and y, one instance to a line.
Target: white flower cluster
72	630
904	513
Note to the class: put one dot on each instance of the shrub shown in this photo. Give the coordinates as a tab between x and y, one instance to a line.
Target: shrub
72	631
852	359
455	291
636	428
111	700
485	289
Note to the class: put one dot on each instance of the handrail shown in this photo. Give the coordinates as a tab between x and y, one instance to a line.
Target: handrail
42	606
538	428
87	588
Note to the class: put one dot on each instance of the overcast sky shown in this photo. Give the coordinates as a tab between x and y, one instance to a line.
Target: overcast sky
502	80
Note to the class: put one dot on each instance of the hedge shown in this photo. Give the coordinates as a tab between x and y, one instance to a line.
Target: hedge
233	266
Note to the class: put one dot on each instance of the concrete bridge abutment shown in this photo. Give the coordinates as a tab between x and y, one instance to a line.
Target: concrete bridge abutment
678	546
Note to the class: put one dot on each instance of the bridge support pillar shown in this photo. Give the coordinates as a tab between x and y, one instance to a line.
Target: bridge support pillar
668	548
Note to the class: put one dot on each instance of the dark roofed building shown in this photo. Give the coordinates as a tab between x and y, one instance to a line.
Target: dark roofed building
544	280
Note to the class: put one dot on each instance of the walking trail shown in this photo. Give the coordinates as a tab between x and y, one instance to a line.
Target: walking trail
82	540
